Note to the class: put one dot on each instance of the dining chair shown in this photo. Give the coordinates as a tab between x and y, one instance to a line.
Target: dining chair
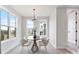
26	43
44	43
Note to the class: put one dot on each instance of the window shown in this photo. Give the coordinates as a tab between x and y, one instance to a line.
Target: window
12	32
12	20
12	28
7	25
29	25
43	28
4	25
4	18
4	32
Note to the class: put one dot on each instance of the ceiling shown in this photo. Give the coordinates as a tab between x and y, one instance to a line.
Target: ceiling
41	10
27	10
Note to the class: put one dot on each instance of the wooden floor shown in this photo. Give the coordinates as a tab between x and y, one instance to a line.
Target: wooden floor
73	48
27	50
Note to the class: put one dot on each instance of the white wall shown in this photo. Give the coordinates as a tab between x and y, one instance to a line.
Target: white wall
52	27
58	27
24	30
7	45
61	28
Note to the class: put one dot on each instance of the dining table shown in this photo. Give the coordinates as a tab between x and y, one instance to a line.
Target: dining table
35	41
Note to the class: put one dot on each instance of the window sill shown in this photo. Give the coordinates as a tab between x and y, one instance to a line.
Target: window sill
7	40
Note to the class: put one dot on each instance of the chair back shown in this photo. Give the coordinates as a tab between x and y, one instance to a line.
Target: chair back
24	41
45	41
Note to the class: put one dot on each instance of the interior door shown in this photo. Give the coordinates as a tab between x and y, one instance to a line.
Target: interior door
71	28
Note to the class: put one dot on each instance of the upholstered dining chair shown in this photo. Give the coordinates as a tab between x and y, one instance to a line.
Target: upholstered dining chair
26	42
44	43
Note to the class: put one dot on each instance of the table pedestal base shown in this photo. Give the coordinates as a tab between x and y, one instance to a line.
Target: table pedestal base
34	47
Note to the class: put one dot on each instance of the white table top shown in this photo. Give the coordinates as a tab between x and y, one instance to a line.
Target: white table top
31	38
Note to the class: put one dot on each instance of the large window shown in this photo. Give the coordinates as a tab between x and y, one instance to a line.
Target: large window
7	25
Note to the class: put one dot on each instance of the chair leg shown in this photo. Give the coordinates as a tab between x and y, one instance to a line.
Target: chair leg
45	48
39	47
27	48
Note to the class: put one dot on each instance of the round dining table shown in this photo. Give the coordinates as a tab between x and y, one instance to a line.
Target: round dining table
35	42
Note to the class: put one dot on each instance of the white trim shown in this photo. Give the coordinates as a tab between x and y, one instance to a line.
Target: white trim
38	17
2	7
4	52
11	48
7	40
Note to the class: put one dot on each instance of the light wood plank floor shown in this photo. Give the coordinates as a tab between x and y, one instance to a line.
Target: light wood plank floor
27	50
